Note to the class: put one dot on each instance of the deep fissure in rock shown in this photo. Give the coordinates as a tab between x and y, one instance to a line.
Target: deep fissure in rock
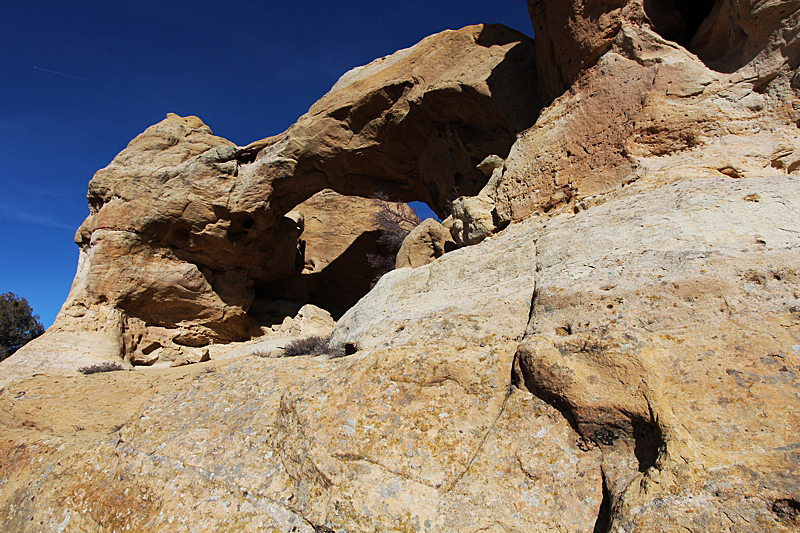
603	521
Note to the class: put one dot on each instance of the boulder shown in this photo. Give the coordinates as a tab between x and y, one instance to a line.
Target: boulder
332	268
191	358
310	321
428	241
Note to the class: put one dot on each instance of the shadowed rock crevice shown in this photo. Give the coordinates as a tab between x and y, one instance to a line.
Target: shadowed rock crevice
648	442
678	20
336	287
524	380
603	521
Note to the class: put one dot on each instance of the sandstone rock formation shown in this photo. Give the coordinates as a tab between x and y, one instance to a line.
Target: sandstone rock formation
192	240
475	217
619	351
340	235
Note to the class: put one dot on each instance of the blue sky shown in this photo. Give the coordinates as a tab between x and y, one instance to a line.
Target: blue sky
82	78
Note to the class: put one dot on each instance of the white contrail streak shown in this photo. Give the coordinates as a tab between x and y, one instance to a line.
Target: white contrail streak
66	75
117	88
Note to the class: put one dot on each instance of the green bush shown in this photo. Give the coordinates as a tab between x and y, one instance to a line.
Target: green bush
18	324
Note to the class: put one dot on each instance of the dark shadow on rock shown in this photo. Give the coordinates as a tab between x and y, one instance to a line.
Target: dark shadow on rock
336	288
678	20
515	74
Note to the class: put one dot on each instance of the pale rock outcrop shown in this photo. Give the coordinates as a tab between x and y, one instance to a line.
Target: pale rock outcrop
65	348
192	358
664	326
547	377
309	321
411	432
475	217
426	242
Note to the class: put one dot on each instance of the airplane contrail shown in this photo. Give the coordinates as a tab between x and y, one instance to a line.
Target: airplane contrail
114	87
67	75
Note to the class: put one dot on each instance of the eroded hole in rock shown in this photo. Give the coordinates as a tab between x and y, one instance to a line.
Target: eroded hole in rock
241	224
150	348
346	244
678	20
180	236
269	309
648	441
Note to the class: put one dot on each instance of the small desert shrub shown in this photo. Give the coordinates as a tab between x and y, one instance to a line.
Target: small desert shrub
108	366
395	221
314	345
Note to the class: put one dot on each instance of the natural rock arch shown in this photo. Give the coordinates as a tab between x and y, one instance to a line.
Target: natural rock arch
191	235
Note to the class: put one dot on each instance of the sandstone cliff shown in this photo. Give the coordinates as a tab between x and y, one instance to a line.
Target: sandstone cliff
615	346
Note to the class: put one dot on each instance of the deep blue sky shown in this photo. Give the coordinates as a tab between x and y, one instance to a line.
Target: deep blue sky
108	70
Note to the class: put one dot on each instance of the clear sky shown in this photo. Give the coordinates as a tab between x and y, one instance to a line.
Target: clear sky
80	79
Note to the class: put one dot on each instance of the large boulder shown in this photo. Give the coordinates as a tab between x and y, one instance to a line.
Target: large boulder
425	243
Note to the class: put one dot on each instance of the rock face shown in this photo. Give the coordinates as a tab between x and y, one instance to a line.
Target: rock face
628	98
618	352
727	35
